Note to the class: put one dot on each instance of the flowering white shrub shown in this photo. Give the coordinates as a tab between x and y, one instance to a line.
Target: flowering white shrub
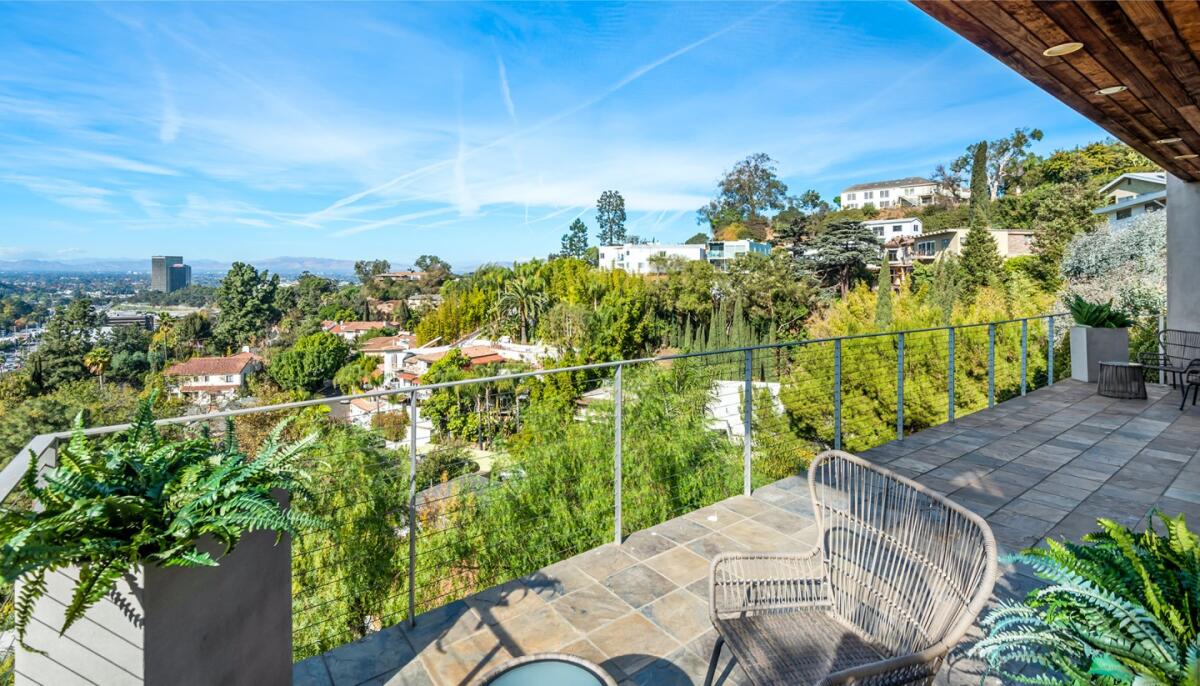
1127	265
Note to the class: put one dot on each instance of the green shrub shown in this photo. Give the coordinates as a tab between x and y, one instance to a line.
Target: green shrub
142	499
1097	315
1120	608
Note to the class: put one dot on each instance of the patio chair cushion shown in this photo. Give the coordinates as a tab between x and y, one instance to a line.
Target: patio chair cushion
795	647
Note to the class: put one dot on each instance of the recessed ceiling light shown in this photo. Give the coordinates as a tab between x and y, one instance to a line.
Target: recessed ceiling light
1167	141
1189	156
1111	90
1062	49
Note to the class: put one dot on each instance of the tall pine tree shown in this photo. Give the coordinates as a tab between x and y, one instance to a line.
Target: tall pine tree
610	215
981	260
575	241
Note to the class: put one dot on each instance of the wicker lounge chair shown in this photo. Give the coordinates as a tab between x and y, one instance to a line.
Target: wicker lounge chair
1179	349
899	577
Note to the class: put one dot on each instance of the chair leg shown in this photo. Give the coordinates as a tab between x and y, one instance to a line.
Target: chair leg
712	664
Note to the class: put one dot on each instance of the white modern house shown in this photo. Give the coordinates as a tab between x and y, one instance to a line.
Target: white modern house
721	253
887	229
1132	194
636	259
913	191
391	351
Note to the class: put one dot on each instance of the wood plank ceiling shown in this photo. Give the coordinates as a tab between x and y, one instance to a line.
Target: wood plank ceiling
1151	48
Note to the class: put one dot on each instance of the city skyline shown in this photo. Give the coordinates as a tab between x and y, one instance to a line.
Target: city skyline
476	132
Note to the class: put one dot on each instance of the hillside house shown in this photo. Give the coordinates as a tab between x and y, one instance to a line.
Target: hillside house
1132	194
212	380
1009	242
350	331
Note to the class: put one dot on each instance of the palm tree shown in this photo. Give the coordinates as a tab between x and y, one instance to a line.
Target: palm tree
523	297
96	361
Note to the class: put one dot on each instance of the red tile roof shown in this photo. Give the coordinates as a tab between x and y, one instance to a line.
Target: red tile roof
386	343
352	327
203	366
476	354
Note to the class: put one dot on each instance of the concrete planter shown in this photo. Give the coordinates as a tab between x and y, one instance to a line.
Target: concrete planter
1091	346
230	624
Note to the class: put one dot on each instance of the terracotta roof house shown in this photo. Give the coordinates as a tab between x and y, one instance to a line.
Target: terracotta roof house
208	380
352	330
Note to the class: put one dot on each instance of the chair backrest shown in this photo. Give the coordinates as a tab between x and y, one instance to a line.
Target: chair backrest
907	567
1179	345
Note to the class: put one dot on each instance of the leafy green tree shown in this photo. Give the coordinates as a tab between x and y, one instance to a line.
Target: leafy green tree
246	299
883	295
843	252
1056	213
772	292
796	223
356	375
194	330
435	272
980	198
574	241
1007	162
368	270
748	194
699	238
309	363
610	215
392	425
68	337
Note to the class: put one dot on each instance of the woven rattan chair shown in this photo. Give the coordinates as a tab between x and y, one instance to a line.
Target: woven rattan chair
900	575
1179	349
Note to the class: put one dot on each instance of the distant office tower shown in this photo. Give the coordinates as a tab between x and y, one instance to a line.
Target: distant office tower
169	273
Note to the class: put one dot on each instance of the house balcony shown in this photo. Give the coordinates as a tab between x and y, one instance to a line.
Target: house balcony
1045	465
539	523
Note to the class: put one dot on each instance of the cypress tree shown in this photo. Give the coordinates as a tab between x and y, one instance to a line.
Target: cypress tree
981	260
883	296
980	196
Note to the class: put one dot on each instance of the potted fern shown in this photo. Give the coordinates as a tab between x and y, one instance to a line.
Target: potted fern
1119	608
154	561
1100	334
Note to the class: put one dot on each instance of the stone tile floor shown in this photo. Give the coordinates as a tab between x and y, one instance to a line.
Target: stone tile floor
1046	464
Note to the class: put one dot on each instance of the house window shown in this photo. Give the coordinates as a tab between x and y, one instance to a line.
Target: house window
883	194
878	230
1153	208
891	256
925	248
849	196
1124	214
897	228
945	243
909	191
867	195
885	203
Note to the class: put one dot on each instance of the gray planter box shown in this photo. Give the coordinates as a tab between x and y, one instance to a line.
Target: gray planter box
1091	346
230	624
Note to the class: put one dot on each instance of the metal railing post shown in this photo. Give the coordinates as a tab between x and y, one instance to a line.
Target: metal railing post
1050	350
900	387
991	365
1162	325
617	399
950	381
412	508
1024	355
837	394
747	421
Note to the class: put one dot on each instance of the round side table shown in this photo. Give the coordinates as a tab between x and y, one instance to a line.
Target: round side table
1124	380
547	669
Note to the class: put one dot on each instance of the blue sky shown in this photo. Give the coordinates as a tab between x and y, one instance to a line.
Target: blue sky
475	132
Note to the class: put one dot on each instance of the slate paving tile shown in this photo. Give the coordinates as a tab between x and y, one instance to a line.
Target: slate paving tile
639	585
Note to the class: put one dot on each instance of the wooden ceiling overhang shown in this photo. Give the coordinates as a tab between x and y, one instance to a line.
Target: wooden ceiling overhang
1151	48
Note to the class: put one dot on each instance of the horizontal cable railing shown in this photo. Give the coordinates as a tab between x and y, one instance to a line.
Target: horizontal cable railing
432	493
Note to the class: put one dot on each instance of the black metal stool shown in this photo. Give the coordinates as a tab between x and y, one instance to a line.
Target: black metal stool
1124	380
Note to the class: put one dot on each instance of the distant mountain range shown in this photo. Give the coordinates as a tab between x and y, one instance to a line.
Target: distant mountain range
287	266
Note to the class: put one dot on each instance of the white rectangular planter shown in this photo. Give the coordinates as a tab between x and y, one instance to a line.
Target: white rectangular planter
1091	346
230	624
